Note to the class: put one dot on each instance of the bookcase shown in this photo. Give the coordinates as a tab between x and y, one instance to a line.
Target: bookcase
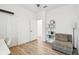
50	31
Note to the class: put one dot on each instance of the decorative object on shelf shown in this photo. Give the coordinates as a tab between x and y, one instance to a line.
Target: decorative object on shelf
52	24
50	35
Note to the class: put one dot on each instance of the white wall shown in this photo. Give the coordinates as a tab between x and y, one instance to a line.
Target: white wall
17	28
33	27
64	17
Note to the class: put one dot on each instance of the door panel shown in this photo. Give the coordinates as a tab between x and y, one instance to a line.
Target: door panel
33	28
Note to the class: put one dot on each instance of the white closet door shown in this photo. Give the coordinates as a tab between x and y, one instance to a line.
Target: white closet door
33	29
3	25
23	30
12	33
8	28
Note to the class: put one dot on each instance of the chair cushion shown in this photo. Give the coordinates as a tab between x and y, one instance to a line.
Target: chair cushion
61	37
62	44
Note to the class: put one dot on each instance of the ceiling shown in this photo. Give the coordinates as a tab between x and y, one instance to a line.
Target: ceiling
34	8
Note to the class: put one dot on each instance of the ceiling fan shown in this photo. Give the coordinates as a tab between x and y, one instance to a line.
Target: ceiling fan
39	5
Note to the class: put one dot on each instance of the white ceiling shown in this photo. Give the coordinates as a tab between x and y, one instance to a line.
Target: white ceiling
34	8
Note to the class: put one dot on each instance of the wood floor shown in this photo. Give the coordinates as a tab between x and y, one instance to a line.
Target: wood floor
36	47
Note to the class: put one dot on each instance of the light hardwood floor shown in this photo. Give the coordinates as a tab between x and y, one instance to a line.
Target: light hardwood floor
36	47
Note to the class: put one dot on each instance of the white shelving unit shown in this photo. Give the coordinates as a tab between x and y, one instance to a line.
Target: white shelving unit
50	31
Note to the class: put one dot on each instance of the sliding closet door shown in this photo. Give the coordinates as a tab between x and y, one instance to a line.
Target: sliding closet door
3	25
8	28
12	30
23	30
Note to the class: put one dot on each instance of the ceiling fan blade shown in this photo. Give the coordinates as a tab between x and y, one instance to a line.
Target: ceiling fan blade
45	6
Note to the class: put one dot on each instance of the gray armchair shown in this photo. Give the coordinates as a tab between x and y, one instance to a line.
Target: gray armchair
63	43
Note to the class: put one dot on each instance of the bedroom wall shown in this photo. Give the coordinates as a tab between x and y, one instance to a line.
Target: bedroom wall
17	27
64	16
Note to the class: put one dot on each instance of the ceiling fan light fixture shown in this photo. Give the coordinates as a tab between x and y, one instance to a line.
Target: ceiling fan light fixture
38	5
41	6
